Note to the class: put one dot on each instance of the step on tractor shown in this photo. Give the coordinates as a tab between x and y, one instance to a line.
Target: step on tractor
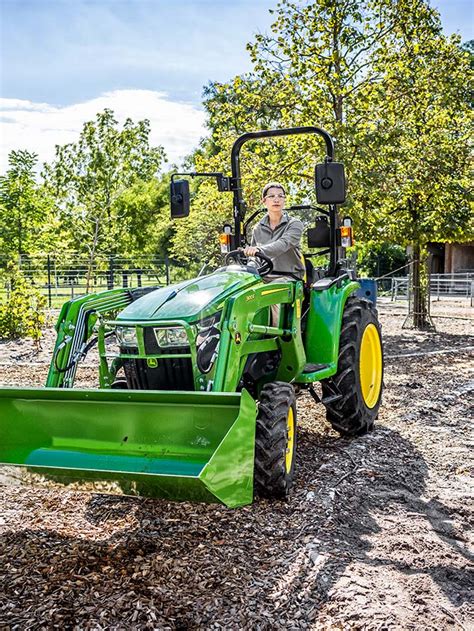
197	384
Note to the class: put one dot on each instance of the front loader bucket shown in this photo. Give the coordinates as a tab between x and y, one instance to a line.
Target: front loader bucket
178	445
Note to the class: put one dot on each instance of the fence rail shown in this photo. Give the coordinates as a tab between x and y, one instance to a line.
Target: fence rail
441	285
61	278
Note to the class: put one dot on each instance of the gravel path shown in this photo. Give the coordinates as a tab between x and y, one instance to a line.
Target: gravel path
377	534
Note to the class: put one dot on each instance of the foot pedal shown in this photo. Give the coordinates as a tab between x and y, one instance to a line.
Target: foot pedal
314	367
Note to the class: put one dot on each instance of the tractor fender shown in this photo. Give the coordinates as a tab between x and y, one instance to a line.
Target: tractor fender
323	330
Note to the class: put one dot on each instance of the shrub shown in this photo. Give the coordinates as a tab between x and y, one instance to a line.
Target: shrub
24	312
379	259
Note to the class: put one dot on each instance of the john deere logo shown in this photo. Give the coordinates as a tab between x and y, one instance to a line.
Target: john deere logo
237	338
152	362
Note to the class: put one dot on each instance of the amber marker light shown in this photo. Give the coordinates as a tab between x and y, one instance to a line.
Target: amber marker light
224	240
346	233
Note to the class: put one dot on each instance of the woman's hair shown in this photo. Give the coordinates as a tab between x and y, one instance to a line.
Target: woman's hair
272	185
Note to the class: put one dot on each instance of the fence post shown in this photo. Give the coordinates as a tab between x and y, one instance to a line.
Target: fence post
110	273
49	281
167	266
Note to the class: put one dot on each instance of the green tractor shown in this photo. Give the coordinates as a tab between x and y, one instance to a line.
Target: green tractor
197	387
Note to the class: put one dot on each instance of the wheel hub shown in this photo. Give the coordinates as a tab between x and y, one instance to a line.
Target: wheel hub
290	440
370	366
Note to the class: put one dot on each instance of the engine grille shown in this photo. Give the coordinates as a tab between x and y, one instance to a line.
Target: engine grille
170	374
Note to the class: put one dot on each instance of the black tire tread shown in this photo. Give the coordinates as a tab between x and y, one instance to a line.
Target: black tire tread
349	415
270	477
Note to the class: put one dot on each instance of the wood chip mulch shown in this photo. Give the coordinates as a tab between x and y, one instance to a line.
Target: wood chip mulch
377	533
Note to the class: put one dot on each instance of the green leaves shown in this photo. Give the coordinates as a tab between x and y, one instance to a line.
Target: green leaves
24	207
23	314
382	78
88	179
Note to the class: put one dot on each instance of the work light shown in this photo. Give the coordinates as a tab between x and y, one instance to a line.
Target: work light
126	336
172	336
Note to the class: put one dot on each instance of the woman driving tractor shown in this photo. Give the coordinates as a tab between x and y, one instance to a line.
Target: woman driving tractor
278	236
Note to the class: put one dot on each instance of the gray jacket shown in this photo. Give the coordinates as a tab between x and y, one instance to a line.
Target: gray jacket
282	245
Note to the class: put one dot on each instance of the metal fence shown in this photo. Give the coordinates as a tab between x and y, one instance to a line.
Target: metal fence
441	285
61	278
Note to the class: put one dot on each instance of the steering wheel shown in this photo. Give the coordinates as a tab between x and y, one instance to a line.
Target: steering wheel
264	267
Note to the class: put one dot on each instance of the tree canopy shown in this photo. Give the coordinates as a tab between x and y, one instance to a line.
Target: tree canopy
391	88
379	75
24	207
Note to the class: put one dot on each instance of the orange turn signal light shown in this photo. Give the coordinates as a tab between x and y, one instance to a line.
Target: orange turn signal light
346	236
224	239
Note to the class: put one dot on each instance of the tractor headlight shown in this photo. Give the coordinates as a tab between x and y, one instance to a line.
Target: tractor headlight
126	336
173	336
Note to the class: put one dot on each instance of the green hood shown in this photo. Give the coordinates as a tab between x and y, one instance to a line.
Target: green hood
189	300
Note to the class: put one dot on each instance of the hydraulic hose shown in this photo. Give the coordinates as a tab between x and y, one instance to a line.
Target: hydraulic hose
80	355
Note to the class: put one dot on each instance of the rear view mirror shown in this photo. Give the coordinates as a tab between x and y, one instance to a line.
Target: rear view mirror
319	237
179	197
330	183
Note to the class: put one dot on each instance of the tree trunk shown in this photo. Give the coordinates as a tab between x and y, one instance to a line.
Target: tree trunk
419	289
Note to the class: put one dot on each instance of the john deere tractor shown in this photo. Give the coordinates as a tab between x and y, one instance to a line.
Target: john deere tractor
197	387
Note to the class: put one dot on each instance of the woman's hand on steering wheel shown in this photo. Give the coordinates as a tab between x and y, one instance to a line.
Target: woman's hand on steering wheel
264	264
250	250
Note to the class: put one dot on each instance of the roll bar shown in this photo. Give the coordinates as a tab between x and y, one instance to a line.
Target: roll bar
236	184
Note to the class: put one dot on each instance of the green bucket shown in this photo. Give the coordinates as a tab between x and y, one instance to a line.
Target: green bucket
194	446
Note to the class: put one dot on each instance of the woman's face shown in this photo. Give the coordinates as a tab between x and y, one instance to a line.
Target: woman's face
274	199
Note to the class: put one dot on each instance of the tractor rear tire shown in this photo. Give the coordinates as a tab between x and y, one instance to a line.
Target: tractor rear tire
275	441
359	378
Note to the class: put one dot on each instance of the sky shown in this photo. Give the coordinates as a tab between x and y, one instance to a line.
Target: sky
61	61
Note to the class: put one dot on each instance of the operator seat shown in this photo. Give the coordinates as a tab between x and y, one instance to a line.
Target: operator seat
309	272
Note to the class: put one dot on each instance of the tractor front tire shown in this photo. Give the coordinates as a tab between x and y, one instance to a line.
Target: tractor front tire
275	441
359	378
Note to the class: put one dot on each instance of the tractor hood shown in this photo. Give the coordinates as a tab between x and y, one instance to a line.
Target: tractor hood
189	300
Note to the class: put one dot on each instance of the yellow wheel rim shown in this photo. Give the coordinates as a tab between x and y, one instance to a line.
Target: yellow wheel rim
370	366
290	439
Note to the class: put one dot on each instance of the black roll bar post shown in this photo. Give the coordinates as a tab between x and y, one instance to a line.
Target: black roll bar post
239	203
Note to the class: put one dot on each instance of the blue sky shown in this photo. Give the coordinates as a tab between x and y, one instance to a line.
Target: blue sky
63	60
63	51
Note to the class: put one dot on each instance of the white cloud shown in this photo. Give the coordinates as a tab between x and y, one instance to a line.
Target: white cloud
39	127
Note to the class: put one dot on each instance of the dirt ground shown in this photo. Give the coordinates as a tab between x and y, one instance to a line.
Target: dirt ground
377	533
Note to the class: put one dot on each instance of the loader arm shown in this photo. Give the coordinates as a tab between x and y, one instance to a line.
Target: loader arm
75	327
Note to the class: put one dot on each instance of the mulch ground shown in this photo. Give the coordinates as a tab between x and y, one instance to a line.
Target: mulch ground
377	533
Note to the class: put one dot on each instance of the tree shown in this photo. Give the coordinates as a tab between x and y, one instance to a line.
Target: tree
195	242
384	80
23	313
145	220
88	177
23	207
418	185
315	68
